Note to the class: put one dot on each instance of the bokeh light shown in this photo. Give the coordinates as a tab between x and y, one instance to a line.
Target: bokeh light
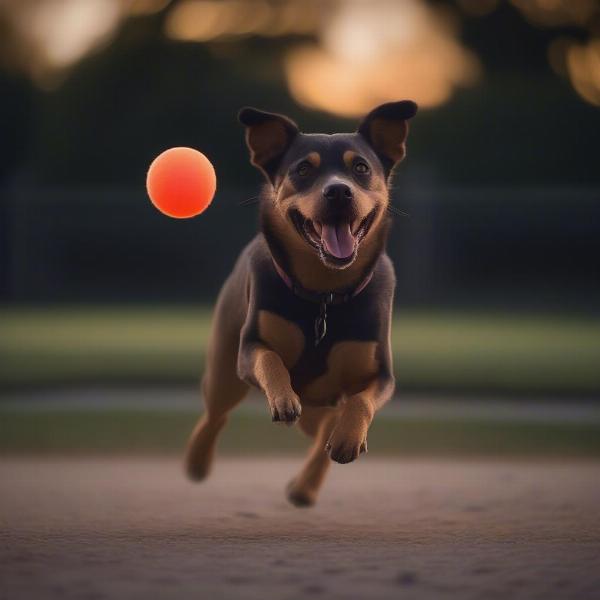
343	55
54	34
583	64
369	53
554	13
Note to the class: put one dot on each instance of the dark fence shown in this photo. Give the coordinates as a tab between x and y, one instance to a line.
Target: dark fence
480	246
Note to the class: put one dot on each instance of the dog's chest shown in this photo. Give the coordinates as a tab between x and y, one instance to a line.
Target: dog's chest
342	363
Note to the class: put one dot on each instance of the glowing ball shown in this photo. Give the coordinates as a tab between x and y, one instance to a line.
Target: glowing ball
181	182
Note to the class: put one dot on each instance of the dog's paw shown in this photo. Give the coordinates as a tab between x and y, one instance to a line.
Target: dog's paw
286	409
299	495
197	471
345	451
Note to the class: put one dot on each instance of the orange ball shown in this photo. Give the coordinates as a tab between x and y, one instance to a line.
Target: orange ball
181	182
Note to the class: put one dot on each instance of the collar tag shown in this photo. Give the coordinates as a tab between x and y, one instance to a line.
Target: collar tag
321	323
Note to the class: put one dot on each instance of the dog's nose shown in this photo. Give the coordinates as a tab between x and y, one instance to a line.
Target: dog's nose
338	194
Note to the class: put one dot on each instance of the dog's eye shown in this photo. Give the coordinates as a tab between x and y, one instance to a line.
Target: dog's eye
361	168
304	168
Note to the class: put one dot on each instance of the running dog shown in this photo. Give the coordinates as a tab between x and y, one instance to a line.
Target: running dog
305	315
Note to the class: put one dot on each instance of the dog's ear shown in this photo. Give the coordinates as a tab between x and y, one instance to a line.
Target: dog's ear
386	129
268	136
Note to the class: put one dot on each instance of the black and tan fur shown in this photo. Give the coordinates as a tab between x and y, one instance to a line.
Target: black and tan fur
264	334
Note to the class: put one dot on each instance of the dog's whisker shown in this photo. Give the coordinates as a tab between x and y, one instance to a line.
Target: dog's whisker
249	201
397	211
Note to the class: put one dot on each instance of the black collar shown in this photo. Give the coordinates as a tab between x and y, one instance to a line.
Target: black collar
328	298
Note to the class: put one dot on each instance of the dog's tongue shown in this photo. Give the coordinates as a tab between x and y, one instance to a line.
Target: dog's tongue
338	240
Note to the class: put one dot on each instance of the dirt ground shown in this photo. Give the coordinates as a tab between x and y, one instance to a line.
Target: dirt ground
135	528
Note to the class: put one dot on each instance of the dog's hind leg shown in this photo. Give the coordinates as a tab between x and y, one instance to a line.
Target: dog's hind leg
221	387
317	422
222	392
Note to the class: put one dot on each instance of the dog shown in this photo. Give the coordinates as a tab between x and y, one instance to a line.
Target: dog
305	316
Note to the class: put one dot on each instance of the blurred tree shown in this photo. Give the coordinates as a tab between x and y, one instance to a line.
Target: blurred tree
104	119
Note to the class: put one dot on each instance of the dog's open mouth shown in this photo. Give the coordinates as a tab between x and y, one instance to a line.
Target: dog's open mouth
337	243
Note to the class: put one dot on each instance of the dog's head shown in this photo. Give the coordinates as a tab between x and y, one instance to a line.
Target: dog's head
332	190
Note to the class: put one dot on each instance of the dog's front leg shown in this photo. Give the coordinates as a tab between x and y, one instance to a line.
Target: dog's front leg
349	438
262	367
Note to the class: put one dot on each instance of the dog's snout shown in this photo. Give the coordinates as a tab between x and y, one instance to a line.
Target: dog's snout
339	194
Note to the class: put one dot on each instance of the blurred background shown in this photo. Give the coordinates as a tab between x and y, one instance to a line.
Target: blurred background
106	303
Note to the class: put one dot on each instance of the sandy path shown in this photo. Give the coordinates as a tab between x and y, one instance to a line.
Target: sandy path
135	528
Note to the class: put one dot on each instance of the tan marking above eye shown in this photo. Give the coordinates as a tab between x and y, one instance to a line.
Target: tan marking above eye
282	336
350	366
314	158
348	157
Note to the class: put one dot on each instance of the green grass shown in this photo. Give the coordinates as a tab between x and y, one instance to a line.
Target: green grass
432	350
83	432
